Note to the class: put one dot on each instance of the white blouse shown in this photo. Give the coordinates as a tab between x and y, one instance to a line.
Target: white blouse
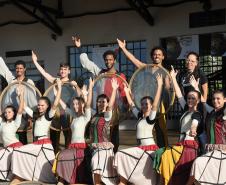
8	130
144	129
41	125
78	125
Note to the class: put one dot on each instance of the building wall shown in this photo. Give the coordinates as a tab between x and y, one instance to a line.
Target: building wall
99	29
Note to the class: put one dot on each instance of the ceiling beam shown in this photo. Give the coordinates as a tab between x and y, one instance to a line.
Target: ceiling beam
139	6
37	4
48	22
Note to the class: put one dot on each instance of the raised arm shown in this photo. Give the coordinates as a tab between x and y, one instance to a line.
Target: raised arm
90	93
5	72
130	56
205	90
173	75
47	76
195	84
57	98
20	94
84	59
158	92
76	87
115	86
128	96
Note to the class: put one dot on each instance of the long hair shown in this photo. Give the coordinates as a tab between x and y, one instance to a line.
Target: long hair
104	96
13	109
80	100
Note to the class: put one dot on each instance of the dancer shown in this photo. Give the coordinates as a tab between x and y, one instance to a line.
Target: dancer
70	164
176	172
30	96
10	121
102	148
33	162
61	120
210	167
134	165
158	55
110	60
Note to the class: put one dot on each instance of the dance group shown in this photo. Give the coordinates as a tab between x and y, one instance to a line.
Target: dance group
91	156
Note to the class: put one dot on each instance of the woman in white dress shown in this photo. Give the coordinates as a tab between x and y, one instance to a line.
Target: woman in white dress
70	163
134	165
9	123
33	162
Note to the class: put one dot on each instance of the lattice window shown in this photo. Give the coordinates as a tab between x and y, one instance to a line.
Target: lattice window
138	48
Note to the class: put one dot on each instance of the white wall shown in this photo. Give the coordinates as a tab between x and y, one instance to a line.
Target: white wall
102	29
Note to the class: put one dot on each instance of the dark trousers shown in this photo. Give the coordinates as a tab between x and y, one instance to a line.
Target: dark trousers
22	137
115	137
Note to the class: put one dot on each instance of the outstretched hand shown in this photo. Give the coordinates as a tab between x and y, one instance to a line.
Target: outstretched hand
114	83
194	82
59	82
76	40
159	79
91	83
73	83
173	73
34	56
20	90
122	44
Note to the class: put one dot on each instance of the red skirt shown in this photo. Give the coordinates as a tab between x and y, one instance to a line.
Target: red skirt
71	165
183	167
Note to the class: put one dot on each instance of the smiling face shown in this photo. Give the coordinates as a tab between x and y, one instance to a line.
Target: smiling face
42	106
218	100
146	105
9	114
64	72
78	106
191	62
102	104
109	61
157	56
20	70
192	99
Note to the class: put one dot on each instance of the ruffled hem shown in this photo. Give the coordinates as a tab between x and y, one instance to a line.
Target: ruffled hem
42	141
149	147
77	145
15	145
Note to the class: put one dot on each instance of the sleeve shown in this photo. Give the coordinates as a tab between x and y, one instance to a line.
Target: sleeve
182	102
52	113
29	111
89	65
70	112
88	114
208	107
18	120
5	72
196	118
152	115
135	111
108	115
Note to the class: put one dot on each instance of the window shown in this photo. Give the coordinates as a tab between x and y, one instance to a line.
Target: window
138	48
